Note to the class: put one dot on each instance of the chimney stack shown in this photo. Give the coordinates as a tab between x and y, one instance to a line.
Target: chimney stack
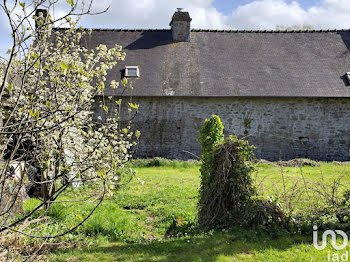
181	26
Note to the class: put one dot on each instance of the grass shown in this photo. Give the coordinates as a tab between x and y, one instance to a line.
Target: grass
232	246
154	218
321	182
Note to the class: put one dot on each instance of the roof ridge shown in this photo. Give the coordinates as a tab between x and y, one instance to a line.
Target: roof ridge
114	29
270	31
218	30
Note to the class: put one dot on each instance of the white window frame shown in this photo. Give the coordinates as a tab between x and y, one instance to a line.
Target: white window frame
132	67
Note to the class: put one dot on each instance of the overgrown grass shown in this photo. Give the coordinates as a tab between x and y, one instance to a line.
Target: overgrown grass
153	218
146	209
231	246
163	162
301	190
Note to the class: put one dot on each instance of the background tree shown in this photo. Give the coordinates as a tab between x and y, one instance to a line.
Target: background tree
47	89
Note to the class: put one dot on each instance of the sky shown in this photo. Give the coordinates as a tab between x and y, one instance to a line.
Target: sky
210	14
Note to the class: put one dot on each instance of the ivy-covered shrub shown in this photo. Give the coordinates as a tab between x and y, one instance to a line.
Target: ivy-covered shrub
210	134
228	197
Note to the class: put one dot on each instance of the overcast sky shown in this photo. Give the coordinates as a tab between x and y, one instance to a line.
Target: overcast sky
213	14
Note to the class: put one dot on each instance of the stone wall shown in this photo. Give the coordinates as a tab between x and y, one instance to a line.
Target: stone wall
280	128
181	31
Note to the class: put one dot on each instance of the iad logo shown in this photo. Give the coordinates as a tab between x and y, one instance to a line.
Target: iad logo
333	237
335	256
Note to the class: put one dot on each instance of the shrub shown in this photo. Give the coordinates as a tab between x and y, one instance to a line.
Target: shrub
210	134
227	188
227	196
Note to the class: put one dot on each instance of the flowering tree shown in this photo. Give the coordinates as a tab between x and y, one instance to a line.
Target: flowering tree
47	89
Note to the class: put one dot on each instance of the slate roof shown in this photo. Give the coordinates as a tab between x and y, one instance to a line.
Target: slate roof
232	63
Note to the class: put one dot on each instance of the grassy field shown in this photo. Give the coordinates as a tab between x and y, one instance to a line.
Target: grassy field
301	189
154	218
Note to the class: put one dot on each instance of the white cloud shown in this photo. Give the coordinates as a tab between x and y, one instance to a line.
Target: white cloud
330	14
266	14
208	18
258	14
155	14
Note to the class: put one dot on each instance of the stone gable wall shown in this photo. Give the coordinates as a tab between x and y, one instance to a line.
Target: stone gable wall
280	128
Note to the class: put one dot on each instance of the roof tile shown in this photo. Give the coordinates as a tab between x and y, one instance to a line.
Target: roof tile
239	63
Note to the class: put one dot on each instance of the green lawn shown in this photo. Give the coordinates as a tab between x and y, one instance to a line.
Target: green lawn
218	247
154	217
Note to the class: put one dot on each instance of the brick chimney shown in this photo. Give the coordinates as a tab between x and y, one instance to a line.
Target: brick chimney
181	26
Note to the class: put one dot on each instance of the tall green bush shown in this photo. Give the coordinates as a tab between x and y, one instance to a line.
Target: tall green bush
210	134
227	195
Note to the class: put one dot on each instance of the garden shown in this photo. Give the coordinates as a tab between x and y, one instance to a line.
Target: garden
72	189
168	210
154	219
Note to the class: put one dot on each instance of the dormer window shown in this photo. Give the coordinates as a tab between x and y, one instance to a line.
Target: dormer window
347	75
132	71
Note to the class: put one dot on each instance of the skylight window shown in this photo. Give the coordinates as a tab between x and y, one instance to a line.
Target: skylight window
132	71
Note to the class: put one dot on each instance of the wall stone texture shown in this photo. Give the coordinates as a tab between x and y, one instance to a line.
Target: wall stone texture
181	31
280	128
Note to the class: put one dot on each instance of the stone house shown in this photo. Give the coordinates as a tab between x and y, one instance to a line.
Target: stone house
287	92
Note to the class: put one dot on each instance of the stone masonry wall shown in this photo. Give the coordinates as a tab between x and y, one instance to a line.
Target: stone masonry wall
181	31
280	128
